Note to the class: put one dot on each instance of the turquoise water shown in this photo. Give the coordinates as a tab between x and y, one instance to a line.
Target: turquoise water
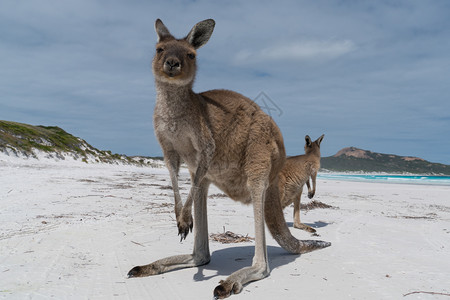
410	179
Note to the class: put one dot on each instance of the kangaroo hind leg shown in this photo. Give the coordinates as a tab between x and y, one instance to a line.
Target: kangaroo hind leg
200	255
260	266
297	223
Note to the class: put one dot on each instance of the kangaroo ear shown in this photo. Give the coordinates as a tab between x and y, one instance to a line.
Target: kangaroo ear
308	140
200	33
319	140
161	30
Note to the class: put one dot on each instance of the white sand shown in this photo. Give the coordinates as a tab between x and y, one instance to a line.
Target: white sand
73	231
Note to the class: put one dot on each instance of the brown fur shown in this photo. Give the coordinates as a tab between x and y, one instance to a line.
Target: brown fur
296	172
225	139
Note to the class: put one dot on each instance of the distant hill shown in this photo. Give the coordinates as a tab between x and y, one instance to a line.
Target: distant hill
357	160
50	142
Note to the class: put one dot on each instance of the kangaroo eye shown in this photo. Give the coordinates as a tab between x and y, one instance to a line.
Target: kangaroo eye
159	50
191	55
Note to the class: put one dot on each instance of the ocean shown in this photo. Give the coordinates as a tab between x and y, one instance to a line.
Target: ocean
408	179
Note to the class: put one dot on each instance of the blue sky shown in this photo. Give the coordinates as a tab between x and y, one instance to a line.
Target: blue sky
369	74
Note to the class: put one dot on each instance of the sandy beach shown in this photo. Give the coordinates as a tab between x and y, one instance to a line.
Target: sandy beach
73	231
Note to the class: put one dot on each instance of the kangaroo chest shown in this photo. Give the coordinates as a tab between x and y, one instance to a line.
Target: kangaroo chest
177	130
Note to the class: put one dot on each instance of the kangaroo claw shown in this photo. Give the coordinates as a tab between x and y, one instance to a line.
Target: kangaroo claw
182	236
184	227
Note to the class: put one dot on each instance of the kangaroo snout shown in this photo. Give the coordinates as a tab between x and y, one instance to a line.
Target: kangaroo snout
172	66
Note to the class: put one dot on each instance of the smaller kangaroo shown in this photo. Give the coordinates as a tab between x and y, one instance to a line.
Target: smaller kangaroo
296	172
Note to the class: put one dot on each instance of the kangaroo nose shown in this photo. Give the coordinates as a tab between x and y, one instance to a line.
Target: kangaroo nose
173	63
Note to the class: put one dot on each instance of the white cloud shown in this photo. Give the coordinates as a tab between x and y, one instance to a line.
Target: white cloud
298	51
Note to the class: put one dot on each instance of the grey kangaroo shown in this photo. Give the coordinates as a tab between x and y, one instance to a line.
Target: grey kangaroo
296	172
225	139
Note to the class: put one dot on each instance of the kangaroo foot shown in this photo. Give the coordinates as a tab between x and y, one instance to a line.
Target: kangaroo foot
143	271
185	224
304	227
227	288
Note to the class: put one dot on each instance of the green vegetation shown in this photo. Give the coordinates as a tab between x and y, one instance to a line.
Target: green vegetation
23	139
377	162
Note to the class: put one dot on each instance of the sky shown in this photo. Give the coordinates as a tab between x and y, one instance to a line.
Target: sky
369	74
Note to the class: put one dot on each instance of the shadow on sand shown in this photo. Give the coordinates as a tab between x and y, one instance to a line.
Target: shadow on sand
226	261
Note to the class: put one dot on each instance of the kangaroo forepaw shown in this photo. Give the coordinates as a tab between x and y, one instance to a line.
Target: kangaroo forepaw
184	227
311	195
226	289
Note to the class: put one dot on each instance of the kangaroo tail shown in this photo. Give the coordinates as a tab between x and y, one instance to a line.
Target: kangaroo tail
278	228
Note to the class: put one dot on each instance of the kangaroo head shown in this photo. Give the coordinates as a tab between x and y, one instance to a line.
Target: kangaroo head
175	59
313	146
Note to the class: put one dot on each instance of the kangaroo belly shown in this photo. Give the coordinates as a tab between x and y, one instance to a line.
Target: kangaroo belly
228	177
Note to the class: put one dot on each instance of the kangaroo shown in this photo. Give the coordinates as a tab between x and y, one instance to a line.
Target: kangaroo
225	139
295	173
